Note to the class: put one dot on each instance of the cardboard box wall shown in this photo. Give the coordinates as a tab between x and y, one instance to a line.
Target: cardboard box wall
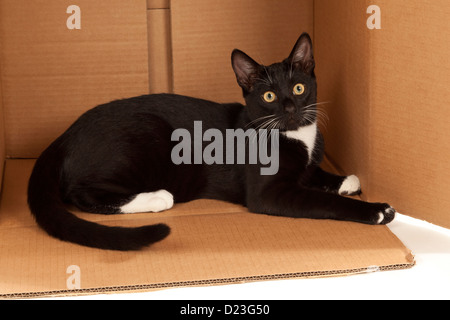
388	88
50	75
2	133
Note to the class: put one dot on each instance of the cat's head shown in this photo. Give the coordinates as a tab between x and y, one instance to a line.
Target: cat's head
282	95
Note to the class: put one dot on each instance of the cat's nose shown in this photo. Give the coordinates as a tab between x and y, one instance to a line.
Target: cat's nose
289	108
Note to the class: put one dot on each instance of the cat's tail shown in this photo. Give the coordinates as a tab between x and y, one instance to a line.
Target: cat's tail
46	204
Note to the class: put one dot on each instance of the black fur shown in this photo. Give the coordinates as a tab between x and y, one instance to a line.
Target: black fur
120	149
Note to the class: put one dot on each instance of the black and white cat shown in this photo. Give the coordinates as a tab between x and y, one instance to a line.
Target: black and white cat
116	158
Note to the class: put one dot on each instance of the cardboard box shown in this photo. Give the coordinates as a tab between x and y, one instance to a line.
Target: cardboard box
388	123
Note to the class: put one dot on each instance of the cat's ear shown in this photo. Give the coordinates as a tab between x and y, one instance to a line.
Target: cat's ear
245	68
302	56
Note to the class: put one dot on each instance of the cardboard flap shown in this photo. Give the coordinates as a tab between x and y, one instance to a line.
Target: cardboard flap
212	242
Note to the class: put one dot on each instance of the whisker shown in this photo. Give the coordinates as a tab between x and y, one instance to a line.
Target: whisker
316	114
270	126
258	119
317	104
261	126
267	124
270	120
276	125
268	75
264	81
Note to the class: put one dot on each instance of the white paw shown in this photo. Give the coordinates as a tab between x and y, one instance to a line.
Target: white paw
149	202
380	217
350	186
386	216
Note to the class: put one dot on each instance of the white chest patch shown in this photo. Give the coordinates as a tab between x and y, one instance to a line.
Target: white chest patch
307	135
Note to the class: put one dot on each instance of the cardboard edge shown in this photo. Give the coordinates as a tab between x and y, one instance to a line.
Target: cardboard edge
2	126
209	282
158	4
329	164
159	40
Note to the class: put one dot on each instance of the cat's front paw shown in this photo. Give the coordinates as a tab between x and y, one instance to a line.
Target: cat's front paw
350	186
383	214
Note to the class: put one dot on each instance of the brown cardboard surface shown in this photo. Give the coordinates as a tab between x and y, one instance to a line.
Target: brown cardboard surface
410	78
388	98
2	129
387	93
160	51
158	4
205	32
2	123
211	242
51	74
341	48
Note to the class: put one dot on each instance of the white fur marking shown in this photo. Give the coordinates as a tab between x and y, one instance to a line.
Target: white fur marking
380	217
350	185
307	135
149	202
388	211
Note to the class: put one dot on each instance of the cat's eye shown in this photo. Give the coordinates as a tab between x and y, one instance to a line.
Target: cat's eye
299	89
269	96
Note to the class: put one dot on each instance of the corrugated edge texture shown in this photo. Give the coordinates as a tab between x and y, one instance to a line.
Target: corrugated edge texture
209	282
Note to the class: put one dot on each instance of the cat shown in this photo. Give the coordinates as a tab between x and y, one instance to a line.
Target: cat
116	158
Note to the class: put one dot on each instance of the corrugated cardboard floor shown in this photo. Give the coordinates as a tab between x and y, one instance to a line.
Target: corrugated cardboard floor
211	243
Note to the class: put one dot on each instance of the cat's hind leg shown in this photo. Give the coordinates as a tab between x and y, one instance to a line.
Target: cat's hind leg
109	201
149	202
329	182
